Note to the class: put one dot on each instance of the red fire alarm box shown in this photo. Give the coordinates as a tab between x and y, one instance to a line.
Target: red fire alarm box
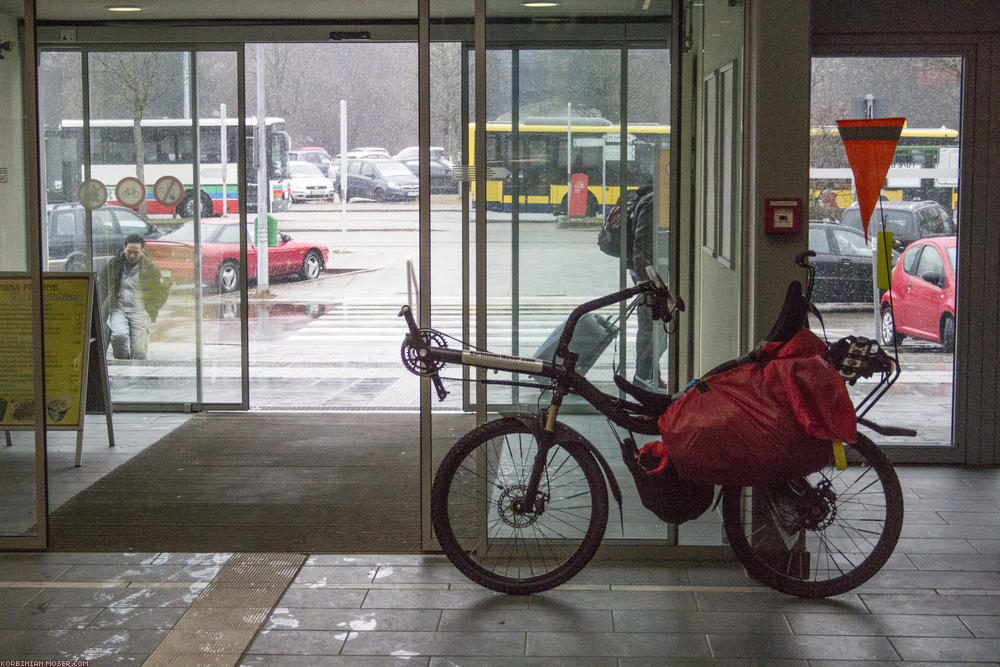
782	215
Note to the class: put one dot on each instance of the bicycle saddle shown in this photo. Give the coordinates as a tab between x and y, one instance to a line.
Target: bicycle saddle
793	315
656	404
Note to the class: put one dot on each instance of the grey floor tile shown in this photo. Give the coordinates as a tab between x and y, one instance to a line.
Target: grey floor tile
342	620
332	661
436	573
339	574
935	579
768	600
23	618
114	597
983	626
953	531
141	573
328	598
956	562
615	599
16	597
909	545
622	644
477	661
524	620
500	644
30	570
947	650
933	604
751	646
692	622
136	618
375	560
81	558
627	574
187	559
903	625
712	662
96	643
478	598
298	642
986	546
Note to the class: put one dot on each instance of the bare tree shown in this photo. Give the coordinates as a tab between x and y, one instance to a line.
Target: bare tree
140	80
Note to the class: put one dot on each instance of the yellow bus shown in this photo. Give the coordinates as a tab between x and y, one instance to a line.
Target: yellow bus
925	166
537	156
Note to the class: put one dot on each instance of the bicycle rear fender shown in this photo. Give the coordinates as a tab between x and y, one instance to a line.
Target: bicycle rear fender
564	432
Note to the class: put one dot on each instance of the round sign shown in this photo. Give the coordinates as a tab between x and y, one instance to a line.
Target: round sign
130	191
168	190
92	193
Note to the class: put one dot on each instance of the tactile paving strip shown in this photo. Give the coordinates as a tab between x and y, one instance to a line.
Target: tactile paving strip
220	624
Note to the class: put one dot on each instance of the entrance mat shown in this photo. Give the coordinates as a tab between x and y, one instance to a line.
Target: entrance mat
224	481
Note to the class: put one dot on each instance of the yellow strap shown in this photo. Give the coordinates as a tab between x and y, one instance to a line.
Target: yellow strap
839	456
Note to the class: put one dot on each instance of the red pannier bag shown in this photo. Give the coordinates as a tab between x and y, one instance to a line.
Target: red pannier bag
762	422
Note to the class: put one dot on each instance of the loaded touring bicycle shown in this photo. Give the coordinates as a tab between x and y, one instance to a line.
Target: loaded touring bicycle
520	503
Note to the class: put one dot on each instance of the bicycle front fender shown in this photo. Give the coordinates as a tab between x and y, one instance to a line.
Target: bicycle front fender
563	433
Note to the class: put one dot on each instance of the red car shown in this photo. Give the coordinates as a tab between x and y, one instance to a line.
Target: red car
923	294
220	255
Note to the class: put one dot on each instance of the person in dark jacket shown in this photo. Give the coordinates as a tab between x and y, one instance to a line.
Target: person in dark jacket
136	292
650	339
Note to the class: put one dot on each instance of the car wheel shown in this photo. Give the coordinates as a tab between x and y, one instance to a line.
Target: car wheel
948	333
228	277
887	331
186	208
379	195
591	205
312	265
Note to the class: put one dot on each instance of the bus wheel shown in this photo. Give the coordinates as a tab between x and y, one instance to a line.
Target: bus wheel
186	208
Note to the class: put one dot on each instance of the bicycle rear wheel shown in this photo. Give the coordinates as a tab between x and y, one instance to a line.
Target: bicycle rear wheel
480	523
822	535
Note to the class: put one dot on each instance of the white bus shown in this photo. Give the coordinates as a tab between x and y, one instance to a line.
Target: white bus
168	150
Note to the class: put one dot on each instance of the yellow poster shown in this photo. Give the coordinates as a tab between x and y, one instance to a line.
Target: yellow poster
66	313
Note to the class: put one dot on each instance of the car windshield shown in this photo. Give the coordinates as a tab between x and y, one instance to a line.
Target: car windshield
393	169
185	233
896	222
305	169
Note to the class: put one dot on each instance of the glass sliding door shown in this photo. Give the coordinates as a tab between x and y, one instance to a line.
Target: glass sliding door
155	134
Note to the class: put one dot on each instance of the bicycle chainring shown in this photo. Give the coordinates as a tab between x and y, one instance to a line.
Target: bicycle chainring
410	353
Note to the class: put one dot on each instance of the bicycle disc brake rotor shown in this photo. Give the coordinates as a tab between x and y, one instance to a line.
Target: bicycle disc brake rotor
411	354
800	506
511	510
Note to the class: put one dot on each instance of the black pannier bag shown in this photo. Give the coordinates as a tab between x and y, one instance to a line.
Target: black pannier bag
661	491
591	337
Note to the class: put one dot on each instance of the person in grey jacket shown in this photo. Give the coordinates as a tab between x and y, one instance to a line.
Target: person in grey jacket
136	292
650	339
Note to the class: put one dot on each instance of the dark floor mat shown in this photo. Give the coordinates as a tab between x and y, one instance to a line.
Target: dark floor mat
324	482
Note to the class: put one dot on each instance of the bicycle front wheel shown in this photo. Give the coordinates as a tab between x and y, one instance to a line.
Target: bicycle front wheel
489	532
821	535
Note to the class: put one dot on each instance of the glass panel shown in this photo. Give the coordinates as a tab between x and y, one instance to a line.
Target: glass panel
920	201
21	483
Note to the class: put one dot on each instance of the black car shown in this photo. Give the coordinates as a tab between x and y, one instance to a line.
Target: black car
67	240
381	180
907	220
441	180
843	264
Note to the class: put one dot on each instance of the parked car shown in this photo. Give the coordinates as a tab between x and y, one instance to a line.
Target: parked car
369	153
907	220
413	153
843	263
308	183
381	180
441	180
67	239
315	154
921	302
220	255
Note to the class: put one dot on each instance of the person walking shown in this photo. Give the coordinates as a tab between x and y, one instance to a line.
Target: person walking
136	292
650	338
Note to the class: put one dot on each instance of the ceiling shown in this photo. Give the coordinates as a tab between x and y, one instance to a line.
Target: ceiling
320	10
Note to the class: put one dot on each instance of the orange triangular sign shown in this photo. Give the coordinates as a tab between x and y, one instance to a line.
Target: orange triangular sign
870	144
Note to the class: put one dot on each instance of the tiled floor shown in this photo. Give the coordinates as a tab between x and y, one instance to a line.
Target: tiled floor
938	601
